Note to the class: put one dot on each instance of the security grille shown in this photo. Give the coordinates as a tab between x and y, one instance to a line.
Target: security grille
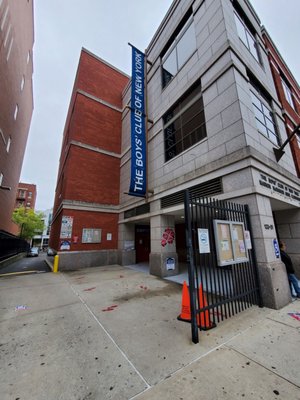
140	210
209	188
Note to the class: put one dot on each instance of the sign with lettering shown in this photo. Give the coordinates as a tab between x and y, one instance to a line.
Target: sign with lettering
279	187
203	241
138	131
66	227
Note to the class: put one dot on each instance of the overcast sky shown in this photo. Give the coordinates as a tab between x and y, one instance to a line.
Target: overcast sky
63	27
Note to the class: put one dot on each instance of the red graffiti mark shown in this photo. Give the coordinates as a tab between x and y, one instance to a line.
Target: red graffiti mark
89	289
143	287
168	237
295	315
110	308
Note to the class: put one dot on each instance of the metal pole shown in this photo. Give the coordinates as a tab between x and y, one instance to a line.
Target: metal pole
257	280
279	152
55	264
191	267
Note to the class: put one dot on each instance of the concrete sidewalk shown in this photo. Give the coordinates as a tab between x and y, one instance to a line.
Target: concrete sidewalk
112	333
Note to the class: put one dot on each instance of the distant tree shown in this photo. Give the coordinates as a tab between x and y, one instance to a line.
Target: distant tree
30	223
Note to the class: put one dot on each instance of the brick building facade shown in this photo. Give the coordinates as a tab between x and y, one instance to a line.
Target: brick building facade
288	92
26	195
88	185
16	99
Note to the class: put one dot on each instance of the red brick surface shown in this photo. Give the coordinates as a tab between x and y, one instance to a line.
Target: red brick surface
20	17
108	223
290	114
86	173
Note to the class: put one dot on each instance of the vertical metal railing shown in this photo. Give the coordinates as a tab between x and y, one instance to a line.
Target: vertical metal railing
217	292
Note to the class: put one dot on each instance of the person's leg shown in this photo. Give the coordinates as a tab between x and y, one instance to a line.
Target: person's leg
294	281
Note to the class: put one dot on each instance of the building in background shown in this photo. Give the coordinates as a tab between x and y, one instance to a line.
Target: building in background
86	208
42	241
214	119
16	99
288	92
26	195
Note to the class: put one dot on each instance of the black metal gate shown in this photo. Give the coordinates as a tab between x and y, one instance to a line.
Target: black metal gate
218	290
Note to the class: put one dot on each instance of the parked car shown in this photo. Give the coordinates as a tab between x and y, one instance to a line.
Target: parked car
51	252
33	252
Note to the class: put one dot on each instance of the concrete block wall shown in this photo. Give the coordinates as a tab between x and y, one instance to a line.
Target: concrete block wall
229	114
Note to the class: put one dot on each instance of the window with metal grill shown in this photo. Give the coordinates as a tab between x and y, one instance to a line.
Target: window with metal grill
184	124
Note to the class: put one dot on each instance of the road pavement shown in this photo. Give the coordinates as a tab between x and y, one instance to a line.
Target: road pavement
112	333
27	265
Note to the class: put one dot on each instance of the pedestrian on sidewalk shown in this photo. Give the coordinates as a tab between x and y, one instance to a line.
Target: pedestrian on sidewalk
286	259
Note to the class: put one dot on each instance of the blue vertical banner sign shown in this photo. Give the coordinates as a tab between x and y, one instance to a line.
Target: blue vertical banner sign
138	131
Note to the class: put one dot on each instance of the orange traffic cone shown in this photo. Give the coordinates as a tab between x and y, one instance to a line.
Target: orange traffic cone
204	323
185	304
203	320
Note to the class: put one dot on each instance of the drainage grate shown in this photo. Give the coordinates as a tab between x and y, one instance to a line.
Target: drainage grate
206	189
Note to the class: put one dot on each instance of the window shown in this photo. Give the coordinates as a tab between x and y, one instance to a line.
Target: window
246	36
29	195
28	57
184	124
1	178
182	46
21	194
263	115
16	112
8	144
287	93
91	235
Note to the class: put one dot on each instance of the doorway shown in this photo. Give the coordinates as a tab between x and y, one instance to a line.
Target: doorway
142	243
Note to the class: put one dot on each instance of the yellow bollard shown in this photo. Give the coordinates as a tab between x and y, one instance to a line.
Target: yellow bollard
55	264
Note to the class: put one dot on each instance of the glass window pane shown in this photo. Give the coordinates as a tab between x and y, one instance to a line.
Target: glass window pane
178	135
270	125
186	45
240	29
267	111
252	45
255	100
261	127
169	67
259	115
287	93
190	112
273	137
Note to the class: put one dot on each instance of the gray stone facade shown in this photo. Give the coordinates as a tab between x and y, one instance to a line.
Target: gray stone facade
234	149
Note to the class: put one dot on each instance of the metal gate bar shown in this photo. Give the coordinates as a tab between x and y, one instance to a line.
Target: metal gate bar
217	292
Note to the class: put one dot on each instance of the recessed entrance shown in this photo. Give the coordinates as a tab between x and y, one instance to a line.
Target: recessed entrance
142	243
